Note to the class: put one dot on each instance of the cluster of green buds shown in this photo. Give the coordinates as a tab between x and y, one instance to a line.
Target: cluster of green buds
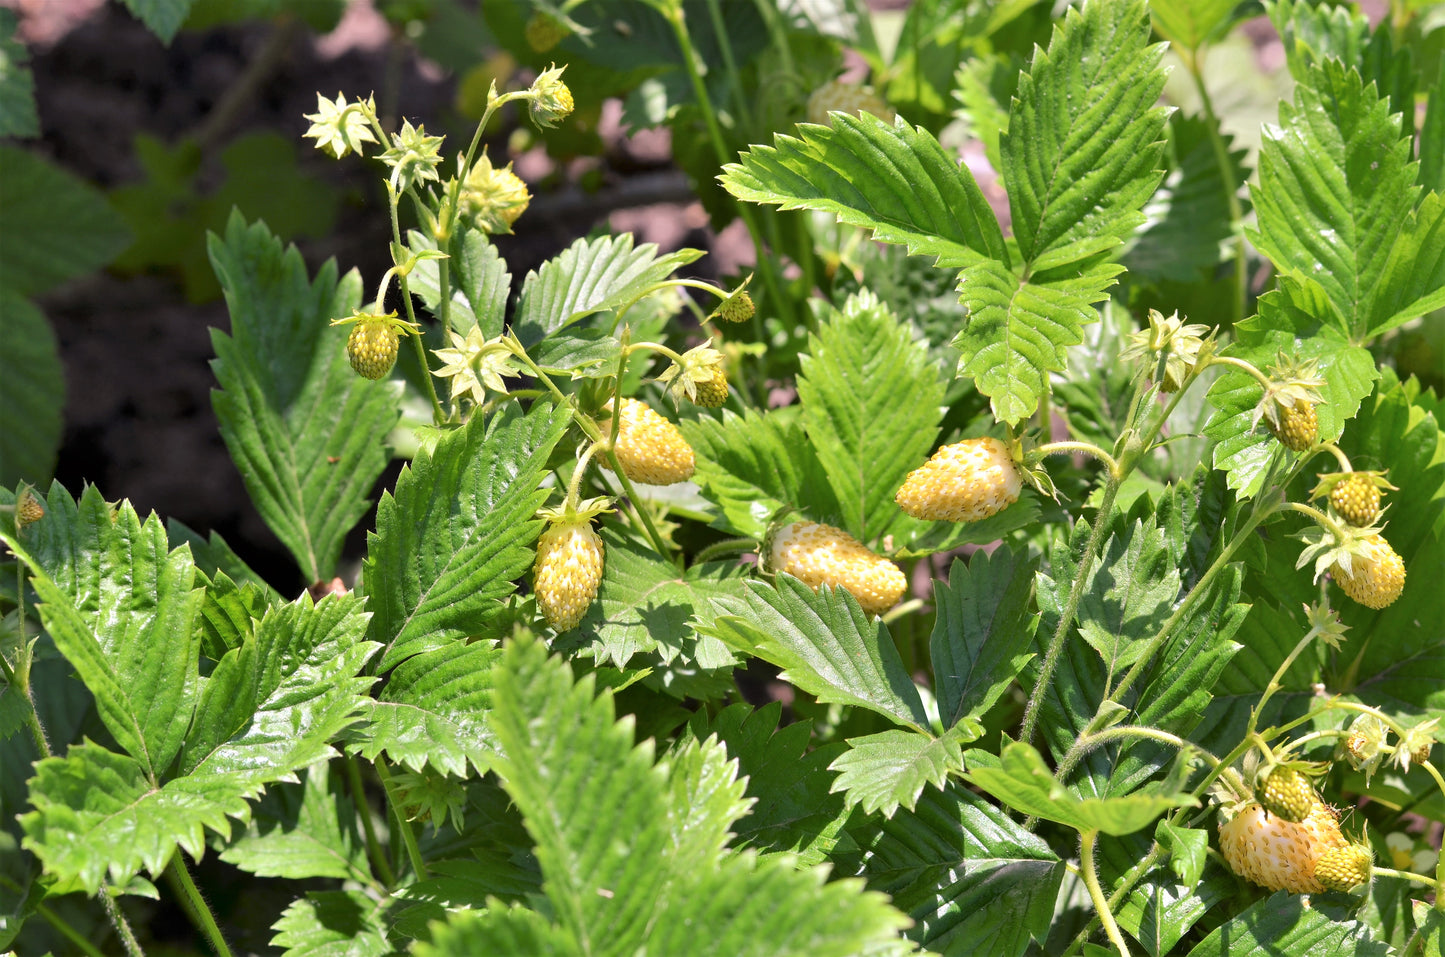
492	198
1181	348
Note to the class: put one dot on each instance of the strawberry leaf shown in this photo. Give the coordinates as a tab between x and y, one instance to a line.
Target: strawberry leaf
824	644
432	712
972	879
880	772
457	531
1022	781
895	180
301	831
479	281
121	607
871	405
32	390
1336	185
588	277
305	431
1019	330
1189	23
1085	140
326	923
1287	923
982	635
753	465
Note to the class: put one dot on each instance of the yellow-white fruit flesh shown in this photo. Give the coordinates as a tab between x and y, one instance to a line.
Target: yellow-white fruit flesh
824	555
963	482
567	573
649	448
1276	854
1376	576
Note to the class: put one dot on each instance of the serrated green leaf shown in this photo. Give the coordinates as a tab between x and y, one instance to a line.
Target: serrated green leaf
1019	330
1160	910
276	703
458	530
754	465
1188	223
1286	924
645	604
580	353
161	17
1024	783
333	924
824	644
17	84
302	831
229	614
121	608
1413	278
1432	138
882	771
664	876
432	712
305	431
1287	323
56	225
478	278
1187	848
983	86
871	405
1189	23
794	808
212	555
1085	139
588	277
973	880
1130	592
982	633
500	929
895	180
1336	182
32	393
98	817
1313	34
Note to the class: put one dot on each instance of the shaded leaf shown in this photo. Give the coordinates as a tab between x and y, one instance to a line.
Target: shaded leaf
824	644
1284	924
17	83
305	431
32	393
302	830
332	923
161	17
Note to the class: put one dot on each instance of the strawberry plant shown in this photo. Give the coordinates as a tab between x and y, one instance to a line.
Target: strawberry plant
985	609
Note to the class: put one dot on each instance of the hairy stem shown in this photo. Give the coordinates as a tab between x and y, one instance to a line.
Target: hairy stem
197	904
368	827
403	826
1096	893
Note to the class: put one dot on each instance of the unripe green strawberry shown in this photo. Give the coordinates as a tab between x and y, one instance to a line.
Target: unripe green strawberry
372	347
1357	499
1376	575
28	509
1342	868
1299	427
823	555
649	448
1287	793
737	307
845	98
1277	854
712	387
545	31
963	482
568	571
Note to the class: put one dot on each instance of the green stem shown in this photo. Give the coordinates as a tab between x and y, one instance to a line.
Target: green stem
19	677
637	509
403	826
1231	189
1099	738
368	827
1088	448
1066	617
199	908
1405	875
728	546
121	925
699	88
1248	368
70	933
437	414
1096	893
1274	682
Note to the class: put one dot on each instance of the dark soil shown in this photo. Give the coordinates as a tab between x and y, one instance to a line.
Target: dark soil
138	418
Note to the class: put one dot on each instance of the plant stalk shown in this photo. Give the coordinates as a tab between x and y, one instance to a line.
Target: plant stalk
403	826
1096	893
198	906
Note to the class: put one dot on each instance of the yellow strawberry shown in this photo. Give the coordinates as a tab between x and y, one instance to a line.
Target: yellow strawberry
823	555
